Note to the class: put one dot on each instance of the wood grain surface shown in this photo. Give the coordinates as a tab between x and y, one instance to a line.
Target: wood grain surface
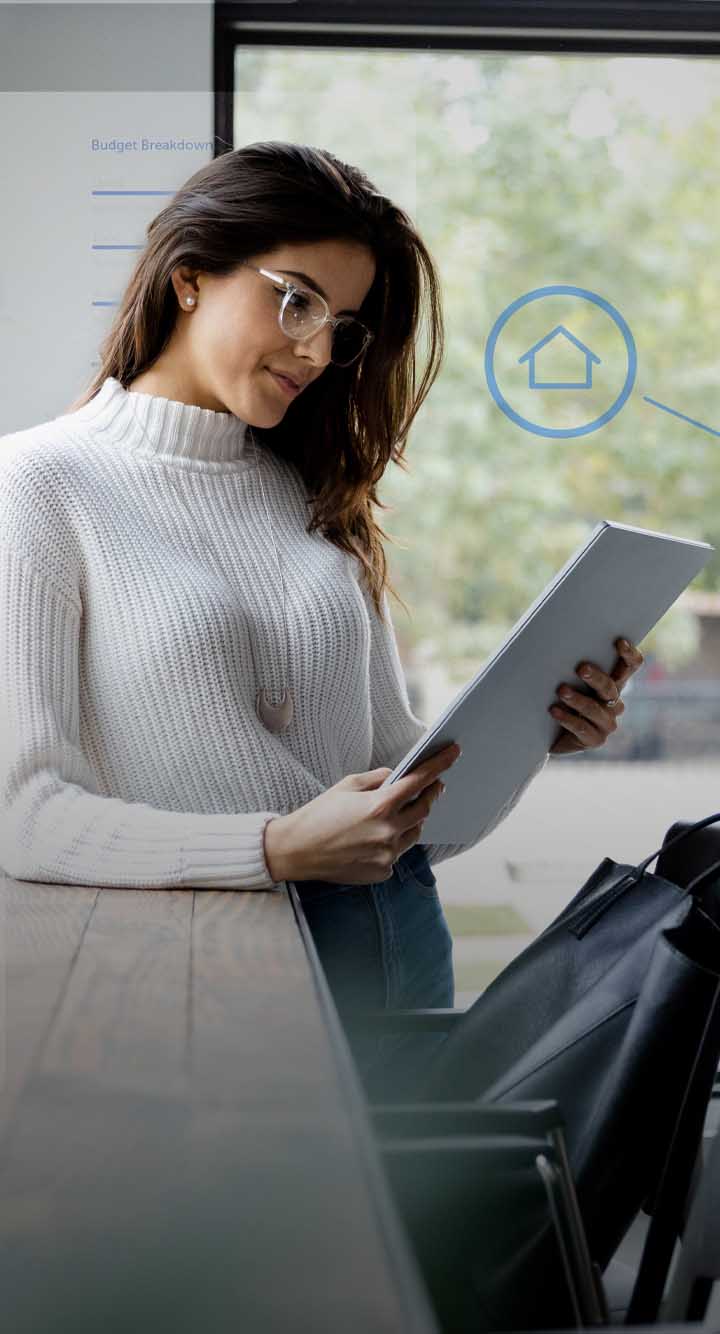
185	1144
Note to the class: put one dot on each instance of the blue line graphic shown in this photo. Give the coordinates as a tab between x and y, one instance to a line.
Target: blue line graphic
691	420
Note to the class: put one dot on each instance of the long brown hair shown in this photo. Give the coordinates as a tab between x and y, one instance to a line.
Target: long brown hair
345	428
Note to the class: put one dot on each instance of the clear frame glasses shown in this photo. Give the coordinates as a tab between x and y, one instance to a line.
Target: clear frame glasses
304	313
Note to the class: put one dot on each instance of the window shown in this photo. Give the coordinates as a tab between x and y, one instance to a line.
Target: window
530	162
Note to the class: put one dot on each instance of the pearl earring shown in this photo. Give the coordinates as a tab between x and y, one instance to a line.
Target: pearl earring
189	300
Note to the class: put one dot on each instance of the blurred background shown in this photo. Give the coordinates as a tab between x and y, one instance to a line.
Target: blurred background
524	170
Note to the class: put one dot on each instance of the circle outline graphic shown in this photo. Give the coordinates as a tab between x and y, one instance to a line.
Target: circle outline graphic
560	289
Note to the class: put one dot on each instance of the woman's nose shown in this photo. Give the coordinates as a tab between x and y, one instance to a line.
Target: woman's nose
319	344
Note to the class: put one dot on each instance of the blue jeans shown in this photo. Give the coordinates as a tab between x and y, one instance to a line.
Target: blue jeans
384	946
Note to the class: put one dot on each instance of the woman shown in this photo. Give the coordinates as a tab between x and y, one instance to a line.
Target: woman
201	682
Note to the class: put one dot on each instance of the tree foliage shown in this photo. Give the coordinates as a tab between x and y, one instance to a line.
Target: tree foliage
522	171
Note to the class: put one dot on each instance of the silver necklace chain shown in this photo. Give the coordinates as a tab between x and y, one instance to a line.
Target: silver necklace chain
280	722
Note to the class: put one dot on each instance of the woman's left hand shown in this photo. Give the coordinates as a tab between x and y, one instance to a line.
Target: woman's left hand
589	723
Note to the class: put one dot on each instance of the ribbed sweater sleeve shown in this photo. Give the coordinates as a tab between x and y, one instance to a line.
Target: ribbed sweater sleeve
53	826
396	728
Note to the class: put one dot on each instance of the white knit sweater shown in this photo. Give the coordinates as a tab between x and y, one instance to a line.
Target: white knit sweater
133	574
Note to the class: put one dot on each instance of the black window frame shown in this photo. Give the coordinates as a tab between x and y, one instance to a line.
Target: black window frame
593	26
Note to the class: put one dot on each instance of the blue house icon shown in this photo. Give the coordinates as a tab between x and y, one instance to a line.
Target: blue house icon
532	352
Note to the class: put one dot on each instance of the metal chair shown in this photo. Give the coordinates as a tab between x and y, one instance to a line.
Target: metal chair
484	1192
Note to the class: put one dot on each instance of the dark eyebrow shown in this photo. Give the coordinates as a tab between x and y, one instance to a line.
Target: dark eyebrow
310	282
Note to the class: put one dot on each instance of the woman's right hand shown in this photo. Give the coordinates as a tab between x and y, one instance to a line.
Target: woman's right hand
353	834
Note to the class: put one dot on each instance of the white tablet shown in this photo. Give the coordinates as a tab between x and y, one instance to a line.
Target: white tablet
618	584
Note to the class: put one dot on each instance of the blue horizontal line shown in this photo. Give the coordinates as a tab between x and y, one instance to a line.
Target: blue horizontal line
682	415
132	192
128	246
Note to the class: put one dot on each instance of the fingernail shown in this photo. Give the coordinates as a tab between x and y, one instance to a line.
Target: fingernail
585	672
624	643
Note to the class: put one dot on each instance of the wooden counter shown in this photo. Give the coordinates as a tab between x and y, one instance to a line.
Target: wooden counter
185	1143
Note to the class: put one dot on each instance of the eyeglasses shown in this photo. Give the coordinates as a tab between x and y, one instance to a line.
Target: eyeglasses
304	313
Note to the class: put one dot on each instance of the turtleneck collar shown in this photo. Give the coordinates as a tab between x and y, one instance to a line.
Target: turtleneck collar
151	425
